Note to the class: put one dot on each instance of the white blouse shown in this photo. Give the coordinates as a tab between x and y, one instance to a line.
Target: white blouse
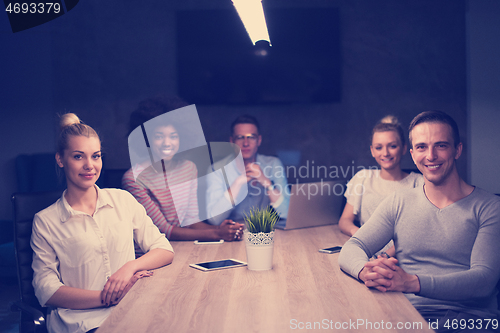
74	249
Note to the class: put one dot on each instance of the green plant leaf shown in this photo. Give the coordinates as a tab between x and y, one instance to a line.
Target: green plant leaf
261	220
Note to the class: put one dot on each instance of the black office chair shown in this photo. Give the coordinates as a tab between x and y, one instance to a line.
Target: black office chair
26	205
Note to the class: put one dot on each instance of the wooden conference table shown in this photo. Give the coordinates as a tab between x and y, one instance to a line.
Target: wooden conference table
305	289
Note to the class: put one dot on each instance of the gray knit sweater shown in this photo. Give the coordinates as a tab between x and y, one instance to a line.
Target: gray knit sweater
454	251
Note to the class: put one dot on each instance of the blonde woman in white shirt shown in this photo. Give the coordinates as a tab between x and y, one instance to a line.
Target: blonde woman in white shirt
367	189
83	244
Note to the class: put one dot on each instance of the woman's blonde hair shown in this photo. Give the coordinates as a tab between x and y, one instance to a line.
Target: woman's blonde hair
71	125
390	123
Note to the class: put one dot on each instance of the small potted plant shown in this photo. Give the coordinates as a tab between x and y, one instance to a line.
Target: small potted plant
259	238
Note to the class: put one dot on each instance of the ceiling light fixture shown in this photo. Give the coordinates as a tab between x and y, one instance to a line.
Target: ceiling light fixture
251	14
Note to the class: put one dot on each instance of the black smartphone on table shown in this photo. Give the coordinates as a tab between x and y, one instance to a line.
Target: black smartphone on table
333	249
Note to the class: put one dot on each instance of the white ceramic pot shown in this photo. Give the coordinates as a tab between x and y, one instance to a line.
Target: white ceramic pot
259	248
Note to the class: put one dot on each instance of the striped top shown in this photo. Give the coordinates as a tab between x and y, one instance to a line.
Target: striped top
170	197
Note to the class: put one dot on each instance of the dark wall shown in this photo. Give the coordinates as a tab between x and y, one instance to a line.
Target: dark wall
102	58
397	58
483	97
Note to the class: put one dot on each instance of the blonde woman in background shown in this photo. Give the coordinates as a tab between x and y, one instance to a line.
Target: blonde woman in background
367	189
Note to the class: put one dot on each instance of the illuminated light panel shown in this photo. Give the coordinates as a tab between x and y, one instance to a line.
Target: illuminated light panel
252	15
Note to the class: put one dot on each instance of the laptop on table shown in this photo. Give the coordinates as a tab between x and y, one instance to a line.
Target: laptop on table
315	204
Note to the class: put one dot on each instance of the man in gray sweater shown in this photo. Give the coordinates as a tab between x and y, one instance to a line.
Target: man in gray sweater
446	235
